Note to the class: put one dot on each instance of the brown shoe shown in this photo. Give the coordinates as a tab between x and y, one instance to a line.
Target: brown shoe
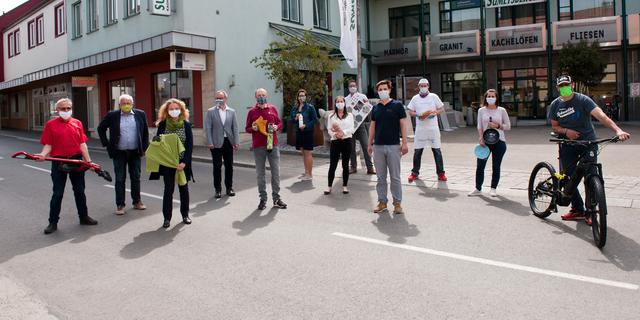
397	208
380	207
120	210
139	206
371	171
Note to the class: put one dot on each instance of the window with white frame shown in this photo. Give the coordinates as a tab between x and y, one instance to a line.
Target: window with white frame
40	30
321	14
291	11
76	13
31	33
92	15
132	7
61	23
13	43
111	11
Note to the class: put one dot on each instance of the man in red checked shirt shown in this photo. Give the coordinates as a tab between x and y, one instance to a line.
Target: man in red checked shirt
64	137
261	112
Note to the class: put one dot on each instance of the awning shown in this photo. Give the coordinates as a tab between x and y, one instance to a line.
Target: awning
326	41
159	42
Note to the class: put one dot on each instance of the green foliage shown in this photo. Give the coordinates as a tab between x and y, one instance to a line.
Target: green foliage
298	64
584	62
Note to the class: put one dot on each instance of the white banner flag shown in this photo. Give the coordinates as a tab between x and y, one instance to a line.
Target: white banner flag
348	32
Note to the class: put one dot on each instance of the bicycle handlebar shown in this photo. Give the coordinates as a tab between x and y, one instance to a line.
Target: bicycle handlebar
585	142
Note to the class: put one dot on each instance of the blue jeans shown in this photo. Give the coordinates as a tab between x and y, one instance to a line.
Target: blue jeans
121	160
497	153
59	179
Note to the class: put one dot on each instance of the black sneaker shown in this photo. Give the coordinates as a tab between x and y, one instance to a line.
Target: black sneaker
186	220
218	194
279	204
230	192
51	228
262	205
88	221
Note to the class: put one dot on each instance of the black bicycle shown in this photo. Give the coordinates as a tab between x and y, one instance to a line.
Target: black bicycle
549	189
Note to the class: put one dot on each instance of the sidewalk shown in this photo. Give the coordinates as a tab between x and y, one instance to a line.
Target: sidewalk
526	147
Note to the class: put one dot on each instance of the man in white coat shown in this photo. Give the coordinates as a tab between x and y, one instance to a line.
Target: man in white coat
426	107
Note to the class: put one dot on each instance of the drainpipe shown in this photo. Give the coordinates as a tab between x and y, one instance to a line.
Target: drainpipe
483	46
423	51
625	58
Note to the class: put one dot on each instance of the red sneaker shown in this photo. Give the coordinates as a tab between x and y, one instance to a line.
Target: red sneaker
573	215
442	177
412	177
587	219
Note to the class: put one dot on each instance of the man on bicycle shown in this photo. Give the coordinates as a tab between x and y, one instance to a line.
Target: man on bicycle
570	116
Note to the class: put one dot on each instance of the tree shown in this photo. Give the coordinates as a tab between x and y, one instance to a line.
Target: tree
584	62
298	64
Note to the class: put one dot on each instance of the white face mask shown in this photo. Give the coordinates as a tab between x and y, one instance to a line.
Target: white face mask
174	113
491	101
65	114
302	98
383	94
353	89
340	105
424	90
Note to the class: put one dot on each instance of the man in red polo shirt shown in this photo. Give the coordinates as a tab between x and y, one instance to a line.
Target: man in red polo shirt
63	137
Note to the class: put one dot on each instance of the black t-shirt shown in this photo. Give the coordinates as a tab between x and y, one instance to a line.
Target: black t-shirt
575	114
387	118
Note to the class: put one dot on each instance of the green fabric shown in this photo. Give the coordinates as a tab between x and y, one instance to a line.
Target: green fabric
166	152
174	124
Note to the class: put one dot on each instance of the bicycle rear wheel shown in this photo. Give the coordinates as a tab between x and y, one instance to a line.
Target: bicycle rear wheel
597	208
543	187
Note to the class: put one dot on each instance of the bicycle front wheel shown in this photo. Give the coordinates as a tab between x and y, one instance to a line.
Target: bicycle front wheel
597	208
543	187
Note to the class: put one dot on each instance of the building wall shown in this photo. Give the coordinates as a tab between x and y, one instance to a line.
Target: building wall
52	52
126	30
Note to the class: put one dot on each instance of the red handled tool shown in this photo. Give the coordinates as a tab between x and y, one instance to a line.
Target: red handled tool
68	164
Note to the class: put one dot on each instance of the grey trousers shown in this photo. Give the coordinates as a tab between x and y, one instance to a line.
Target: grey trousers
260	156
387	157
362	136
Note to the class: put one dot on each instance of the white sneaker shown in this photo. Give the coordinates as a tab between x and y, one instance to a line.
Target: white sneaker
493	192
474	193
306	178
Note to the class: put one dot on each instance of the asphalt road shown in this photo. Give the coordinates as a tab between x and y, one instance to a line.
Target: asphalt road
325	257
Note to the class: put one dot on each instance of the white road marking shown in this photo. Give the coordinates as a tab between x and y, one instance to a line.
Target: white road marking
37	168
1	158
191	206
494	263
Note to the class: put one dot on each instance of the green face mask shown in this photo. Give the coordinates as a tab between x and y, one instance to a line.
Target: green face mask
565	91
126	107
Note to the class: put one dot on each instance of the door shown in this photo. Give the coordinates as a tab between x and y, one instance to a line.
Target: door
80	106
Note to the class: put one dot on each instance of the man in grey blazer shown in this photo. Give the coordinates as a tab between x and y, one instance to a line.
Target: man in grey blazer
223	139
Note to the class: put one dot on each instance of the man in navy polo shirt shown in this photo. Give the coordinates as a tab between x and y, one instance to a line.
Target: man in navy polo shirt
387	125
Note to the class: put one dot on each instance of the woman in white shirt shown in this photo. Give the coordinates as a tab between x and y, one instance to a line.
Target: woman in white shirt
340	126
491	116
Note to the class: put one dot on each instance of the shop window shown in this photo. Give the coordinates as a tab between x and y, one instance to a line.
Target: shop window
61	23
524	92
521	14
321	14
291	11
173	84
405	21
461	89
584	9
459	15
120	87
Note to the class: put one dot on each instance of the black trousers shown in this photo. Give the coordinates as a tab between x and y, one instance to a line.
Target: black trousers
417	159
59	179
169	177
340	150
218	155
497	153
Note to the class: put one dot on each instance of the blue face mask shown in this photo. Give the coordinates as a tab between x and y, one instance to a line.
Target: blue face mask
219	102
261	100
